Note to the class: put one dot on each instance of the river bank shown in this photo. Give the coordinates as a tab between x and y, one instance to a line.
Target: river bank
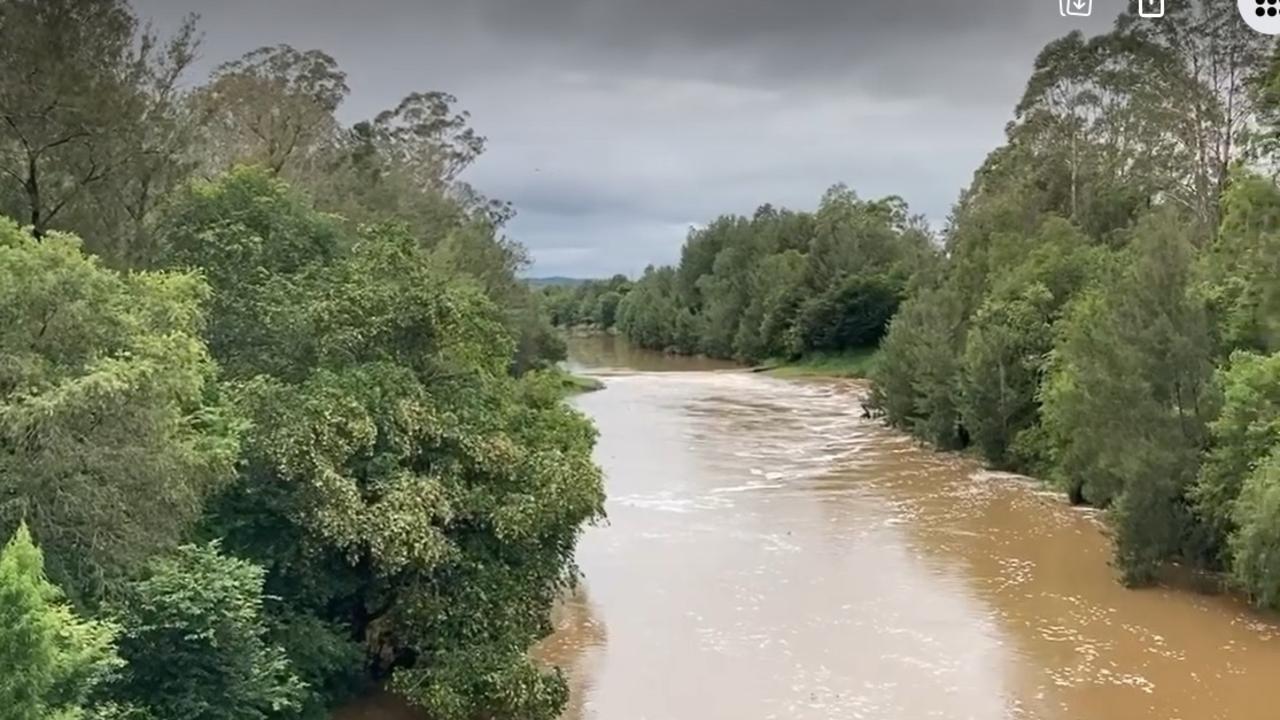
856	363
572	384
850	364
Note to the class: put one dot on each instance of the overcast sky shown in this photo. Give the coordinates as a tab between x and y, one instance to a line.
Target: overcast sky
615	125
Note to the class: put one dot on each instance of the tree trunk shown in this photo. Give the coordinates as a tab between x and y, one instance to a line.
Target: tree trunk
33	198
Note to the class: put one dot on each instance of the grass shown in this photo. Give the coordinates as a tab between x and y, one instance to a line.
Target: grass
849	364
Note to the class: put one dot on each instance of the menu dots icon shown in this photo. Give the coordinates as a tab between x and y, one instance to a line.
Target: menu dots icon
1261	15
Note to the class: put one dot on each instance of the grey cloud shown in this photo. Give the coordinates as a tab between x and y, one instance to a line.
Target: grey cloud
615	124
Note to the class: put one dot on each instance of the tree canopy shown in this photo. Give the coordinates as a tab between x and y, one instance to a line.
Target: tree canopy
284	423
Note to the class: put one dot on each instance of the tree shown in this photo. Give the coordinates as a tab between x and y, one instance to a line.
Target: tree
1150	110
724	289
435	498
274	106
251	238
917	384
112	432
1192	80
77	82
606	311
1242	267
52	662
590	301
853	314
697	256
404	165
1129	398
1264	87
648	316
159	156
1011	336
852	236
782	283
195	640
1245	432
1089	133
776	292
1005	355
427	139
1255	547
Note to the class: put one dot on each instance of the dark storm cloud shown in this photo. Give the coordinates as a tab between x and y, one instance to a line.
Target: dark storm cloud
889	44
615	124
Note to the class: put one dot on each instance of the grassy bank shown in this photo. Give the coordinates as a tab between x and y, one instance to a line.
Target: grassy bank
850	364
577	384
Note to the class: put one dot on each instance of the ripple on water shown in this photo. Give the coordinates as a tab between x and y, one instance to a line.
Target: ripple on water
839	569
666	501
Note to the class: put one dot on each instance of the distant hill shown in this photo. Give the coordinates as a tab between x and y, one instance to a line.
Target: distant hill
555	280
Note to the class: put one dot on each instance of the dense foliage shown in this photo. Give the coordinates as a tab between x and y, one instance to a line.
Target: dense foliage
590	303
110	419
1105	315
280	423
195	641
54	660
387	434
781	284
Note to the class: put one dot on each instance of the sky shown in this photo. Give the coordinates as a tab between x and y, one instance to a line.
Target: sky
614	126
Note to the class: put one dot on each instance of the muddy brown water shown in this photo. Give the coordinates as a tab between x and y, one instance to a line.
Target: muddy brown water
769	553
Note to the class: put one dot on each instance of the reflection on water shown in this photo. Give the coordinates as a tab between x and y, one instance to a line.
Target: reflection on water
575	648
601	353
771	554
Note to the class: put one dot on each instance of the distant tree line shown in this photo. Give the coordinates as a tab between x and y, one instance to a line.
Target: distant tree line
1101	310
780	284
589	303
274	426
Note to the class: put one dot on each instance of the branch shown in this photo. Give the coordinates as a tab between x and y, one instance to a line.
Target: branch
63	141
93	175
21	138
17	178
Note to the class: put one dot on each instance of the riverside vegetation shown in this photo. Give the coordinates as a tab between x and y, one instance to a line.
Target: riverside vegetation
277	423
1102	308
278	419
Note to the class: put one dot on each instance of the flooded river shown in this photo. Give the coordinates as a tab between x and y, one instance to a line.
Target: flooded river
771	554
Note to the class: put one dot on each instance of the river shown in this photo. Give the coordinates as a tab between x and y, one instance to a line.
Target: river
770	553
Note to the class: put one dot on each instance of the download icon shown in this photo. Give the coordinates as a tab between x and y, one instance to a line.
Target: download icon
1080	8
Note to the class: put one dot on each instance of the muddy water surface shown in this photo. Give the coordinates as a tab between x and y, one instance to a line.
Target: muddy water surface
771	554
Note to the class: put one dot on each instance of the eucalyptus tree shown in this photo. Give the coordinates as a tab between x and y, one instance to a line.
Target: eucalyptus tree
273	106
88	114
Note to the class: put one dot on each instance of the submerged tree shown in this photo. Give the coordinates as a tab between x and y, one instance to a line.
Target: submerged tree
1129	400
